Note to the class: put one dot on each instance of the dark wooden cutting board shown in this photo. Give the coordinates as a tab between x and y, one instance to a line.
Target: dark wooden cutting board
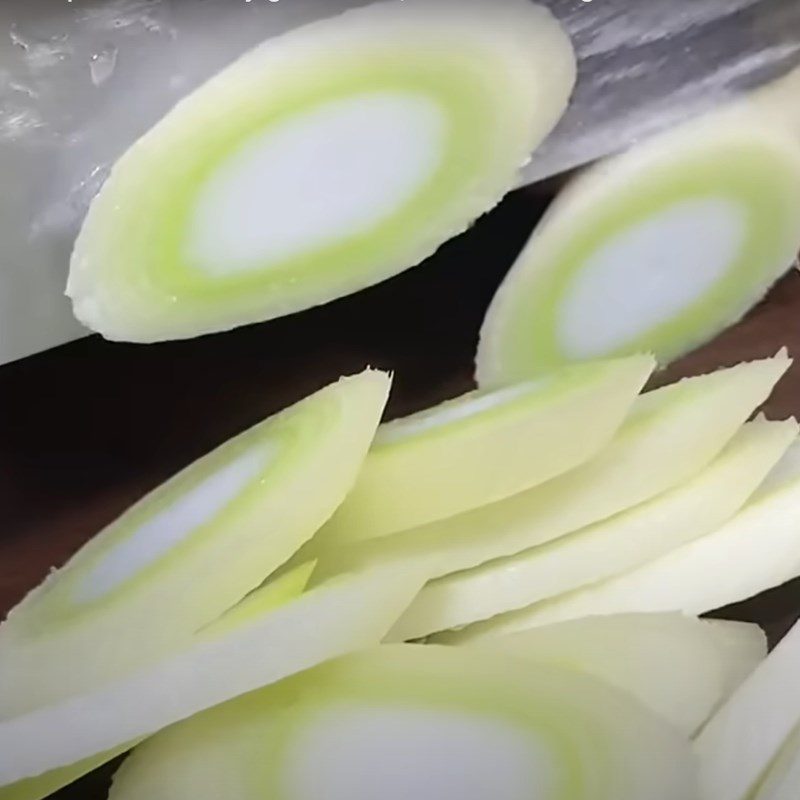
88	428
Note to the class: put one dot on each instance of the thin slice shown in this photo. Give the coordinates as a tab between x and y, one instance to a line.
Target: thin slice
485	447
757	550
747	734
349	613
670	436
419	722
677	666
273	595
658	249
276	593
783	778
612	547
190	550
322	162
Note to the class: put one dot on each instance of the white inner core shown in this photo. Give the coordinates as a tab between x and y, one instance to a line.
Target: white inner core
454	412
321	177
167	529
400	754
648	274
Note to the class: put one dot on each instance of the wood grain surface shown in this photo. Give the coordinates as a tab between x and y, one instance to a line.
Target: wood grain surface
88	428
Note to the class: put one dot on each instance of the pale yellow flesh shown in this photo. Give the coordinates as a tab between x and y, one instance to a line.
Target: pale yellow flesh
67	637
348	614
741	742
680	667
613	547
783	776
757	550
427	723
485	447
670	436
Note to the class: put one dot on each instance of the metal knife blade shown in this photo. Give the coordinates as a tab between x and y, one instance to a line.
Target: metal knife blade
645	65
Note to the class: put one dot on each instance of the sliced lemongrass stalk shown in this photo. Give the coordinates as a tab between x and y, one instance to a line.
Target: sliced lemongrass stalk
191	549
783	777
484	447
276	593
419	722
658	249
741	647
349	613
322	162
670	436
605	549
746	735
674	665
757	550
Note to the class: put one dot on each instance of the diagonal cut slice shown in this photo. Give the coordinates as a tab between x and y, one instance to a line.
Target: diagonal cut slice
612	547
274	594
670	436
757	550
419	722
323	161
783	776
680	667
240	655
484	447
754	728
190	550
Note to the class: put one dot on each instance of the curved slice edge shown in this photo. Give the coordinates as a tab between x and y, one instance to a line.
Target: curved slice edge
498	76
349	613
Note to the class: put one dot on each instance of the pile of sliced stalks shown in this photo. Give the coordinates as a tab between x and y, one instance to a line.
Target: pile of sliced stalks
263	624
499	597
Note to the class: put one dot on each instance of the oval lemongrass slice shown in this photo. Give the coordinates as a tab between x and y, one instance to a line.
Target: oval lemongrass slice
323	161
607	548
672	664
746	735
671	434
191	549
419	722
484	447
658	249
237	656
757	550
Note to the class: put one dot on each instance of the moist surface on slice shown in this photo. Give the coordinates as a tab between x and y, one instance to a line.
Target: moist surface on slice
324	161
